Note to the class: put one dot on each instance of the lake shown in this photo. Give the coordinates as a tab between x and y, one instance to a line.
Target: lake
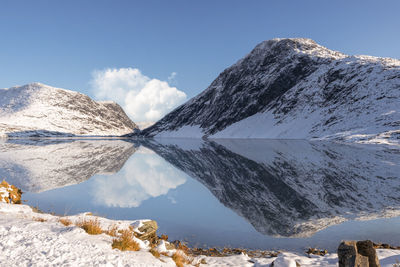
257	194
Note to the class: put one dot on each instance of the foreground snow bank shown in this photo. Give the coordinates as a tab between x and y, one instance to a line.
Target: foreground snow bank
28	238
34	239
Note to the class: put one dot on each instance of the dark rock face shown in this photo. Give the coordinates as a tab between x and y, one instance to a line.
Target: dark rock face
213	108
357	254
290	188
289	80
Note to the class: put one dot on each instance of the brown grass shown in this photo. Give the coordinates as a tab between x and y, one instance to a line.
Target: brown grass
14	193
183	247
92	227
125	242
112	231
37	219
65	221
155	253
179	259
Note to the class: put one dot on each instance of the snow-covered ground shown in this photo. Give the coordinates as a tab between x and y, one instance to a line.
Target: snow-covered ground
35	239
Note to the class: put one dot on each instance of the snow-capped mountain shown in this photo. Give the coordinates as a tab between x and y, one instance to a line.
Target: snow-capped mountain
294	88
41	165
39	110
292	188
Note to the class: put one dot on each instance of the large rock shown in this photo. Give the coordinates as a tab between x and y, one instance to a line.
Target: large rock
357	254
148	231
366	248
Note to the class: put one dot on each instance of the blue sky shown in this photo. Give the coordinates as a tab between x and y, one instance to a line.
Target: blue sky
61	43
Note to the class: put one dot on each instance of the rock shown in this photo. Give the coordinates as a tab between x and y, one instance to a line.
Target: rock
357	254
169	245
149	231
366	248
318	252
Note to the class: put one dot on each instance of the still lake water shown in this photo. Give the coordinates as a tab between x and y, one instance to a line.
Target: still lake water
258	194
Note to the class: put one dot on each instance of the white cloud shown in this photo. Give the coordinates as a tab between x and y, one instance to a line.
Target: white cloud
146	175
143	99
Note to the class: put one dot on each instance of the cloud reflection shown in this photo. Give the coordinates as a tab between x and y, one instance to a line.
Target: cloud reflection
145	175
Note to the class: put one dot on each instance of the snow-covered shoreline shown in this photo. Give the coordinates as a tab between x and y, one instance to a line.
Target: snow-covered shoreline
28	238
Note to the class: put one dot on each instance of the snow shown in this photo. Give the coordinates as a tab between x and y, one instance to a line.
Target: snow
187	131
372	117
4	194
26	241
328	96
38	109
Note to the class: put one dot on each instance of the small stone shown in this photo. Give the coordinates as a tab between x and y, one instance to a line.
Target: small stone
169	246
318	252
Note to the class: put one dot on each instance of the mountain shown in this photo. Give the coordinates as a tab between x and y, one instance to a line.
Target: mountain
39	110
41	165
291	188
294	89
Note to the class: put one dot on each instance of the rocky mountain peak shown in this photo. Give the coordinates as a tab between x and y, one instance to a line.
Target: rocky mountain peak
37	109
293	88
290	48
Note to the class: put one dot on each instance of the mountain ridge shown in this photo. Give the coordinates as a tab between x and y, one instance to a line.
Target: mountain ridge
294	89
38	110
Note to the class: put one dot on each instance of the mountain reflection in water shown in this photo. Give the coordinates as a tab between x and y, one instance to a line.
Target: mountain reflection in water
293	188
283	188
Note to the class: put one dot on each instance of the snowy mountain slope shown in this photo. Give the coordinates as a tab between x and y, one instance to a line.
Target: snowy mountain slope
292	188
39	110
37	166
294	88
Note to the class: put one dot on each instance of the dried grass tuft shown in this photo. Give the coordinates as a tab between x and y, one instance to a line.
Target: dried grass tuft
179	259
92	227
37	219
125	242
14	193
112	230
65	221
155	253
